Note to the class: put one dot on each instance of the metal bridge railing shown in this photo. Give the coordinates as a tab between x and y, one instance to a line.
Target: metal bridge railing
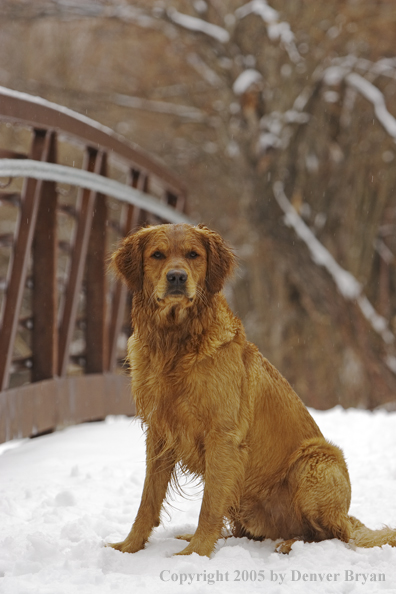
70	325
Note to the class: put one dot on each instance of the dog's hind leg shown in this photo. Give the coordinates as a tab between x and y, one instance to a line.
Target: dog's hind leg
285	546
319	480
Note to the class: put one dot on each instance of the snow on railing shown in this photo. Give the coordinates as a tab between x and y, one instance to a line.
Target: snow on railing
39	101
91	181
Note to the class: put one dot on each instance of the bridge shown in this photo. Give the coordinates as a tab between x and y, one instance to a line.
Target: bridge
71	190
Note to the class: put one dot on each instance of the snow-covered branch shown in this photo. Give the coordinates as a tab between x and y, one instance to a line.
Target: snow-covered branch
199	25
347	285
276	29
345	282
69	9
184	111
374	95
343	71
247	78
275	131
204	70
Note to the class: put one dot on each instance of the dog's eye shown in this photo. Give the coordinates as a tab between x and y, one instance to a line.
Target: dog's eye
158	255
192	255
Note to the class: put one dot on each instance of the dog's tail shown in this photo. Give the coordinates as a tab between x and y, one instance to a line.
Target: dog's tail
362	536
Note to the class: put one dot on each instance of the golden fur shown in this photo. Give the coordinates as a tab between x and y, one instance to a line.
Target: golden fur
212	403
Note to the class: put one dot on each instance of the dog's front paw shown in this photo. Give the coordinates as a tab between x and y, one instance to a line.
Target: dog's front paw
202	549
126	546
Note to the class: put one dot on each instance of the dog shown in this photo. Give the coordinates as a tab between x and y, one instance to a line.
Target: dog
212	405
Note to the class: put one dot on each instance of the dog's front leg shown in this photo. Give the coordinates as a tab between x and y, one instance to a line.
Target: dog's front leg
224	471
159	467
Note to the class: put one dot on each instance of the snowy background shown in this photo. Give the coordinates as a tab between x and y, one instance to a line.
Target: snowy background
62	496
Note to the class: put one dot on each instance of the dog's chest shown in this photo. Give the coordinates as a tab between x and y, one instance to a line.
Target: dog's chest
161	377
170	397
174	397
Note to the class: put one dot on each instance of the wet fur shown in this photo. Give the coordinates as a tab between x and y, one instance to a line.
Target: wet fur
213	404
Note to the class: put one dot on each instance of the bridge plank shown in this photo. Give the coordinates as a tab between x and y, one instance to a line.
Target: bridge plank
52	404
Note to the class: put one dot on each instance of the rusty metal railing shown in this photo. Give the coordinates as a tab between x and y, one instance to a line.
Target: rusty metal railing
60	386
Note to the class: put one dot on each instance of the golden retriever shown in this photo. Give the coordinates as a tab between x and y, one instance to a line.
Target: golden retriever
213	404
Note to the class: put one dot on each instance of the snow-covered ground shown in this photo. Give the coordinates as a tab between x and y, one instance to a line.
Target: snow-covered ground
62	496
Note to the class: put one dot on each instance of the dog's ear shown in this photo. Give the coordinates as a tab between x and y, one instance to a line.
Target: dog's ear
221	260
128	261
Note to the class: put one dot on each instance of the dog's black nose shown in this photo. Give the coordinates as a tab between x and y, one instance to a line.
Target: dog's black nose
176	277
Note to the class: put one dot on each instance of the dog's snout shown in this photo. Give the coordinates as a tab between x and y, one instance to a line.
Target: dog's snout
176	277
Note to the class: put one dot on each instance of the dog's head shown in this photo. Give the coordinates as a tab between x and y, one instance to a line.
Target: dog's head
174	262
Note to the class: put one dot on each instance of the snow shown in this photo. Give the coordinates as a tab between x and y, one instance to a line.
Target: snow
384	66
276	132
291	116
280	31
335	74
199	25
302	99
259	7
383	250
245	80
268	140
391	362
62	496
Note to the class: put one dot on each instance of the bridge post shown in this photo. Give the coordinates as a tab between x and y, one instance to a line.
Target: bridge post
95	305
45	291
92	162
132	218
31	195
